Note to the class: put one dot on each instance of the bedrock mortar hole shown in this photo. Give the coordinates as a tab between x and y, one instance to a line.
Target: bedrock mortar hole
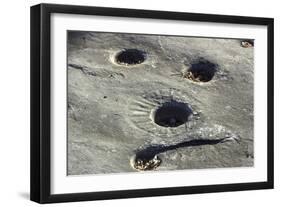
247	43
172	114
130	57
201	71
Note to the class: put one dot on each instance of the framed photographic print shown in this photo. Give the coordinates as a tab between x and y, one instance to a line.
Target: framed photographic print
132	103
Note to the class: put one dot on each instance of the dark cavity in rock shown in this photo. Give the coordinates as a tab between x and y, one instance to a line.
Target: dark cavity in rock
130	57
201	71
172	114
247	43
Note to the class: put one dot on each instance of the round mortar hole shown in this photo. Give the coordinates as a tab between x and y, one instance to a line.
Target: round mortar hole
144	163
247	43
201	71
130	57
172	114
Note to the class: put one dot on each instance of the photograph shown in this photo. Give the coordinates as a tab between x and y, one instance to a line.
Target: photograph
129	103
154	102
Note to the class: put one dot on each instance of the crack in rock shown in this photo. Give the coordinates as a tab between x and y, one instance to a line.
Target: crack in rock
148	159
104	74
84	69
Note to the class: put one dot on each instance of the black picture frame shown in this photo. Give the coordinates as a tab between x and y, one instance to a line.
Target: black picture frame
40	184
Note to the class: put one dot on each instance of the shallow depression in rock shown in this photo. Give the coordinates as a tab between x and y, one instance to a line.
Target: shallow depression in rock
172	114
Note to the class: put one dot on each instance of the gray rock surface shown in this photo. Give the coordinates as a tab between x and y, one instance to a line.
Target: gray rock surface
112	107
